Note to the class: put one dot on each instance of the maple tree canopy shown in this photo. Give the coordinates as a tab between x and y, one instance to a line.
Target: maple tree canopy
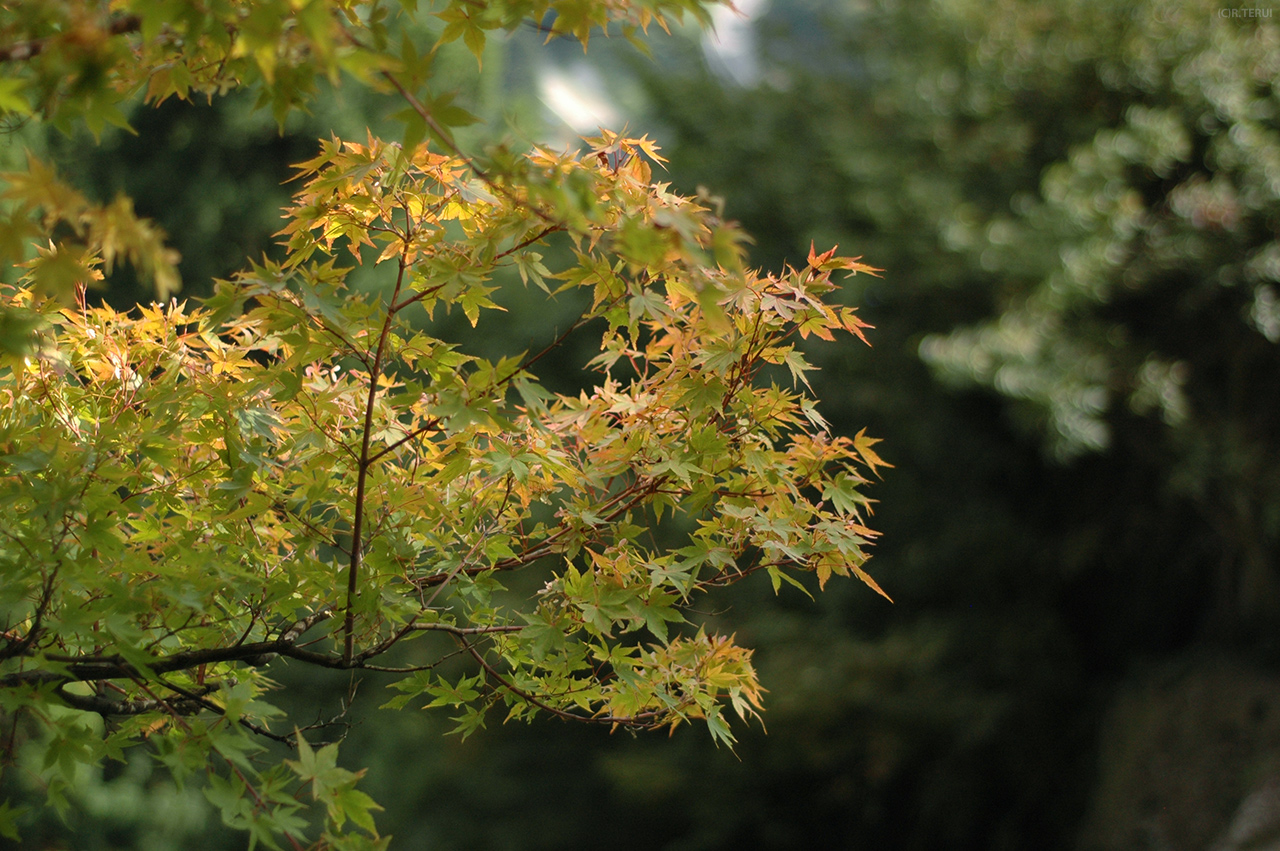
296	473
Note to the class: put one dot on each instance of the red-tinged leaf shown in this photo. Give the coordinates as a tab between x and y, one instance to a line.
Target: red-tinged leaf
828	261
816	260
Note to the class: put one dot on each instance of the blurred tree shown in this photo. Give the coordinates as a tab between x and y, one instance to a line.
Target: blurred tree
1140	307
1057	190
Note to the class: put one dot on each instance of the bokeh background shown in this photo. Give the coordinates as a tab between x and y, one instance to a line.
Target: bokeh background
1075	371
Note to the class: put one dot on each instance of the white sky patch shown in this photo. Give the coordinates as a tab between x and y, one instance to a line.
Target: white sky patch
731	45
577	97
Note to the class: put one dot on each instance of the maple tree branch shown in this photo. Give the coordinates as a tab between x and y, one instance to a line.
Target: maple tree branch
190	703
100	669
642	720
437	128
362	473
249	787
525	243
419	626
19	646
434	425
585	317
417	297
21	51
95	668
466	630
91	669
198	700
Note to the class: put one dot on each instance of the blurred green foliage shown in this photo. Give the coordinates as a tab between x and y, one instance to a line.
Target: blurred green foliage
1076	206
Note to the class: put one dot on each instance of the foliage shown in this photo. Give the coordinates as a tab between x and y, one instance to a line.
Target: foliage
1085	223
294	471
1140	273
1086	476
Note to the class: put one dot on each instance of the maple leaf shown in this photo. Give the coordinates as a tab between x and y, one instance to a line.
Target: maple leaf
828	261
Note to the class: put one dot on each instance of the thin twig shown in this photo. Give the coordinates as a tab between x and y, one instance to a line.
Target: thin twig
433	425
435	126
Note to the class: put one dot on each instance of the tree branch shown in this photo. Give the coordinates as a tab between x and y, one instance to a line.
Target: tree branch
23	50
433	425
362	473
92	669
189	704
435	126
641	720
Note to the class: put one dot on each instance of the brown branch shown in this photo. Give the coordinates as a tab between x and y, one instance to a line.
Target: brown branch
362	472
434	425
92	669
198	700
417	297
20	646
465	630
249	787
583	318
190	703
629	497
293	300
538	237
21	51
96	668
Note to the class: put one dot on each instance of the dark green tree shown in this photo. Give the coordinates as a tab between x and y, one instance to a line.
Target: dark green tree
1075	343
